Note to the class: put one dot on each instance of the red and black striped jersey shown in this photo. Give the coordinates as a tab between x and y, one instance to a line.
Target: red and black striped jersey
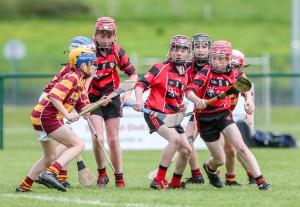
69	91
208	84
192	69
57	78
107	78
167	87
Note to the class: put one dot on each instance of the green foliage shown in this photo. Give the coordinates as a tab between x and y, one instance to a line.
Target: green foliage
145	27
41	8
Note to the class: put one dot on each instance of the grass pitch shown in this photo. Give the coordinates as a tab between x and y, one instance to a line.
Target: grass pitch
279	166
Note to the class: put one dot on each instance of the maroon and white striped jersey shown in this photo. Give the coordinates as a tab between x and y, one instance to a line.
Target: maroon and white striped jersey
69	90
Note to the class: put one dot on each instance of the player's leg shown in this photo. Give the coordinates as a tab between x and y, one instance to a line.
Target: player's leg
49	148
97	122
112	132
184	150
230	164
197	177
233	135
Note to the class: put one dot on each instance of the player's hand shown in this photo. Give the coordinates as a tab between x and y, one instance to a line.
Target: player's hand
71	117
86	116
105	100
182	108
200	104
248	119
138	105
126	97
249	107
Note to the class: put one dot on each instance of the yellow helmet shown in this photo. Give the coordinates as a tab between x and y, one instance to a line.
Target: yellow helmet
81	55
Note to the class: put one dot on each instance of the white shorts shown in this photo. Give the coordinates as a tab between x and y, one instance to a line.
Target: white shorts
42	136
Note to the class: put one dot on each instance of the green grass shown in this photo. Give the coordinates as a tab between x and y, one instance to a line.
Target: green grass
277	165
21	150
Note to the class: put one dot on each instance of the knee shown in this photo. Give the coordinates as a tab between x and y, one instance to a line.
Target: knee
230	153
219	161
242	150
186	151
176	141
81	145
113	141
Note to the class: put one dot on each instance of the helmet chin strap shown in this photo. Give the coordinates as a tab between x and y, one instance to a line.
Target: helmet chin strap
180	68
103	48
201	61
224	70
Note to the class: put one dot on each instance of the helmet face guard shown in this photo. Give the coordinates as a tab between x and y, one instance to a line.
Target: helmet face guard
105	33
82	42
83	60
201	45
220	56
238	59
179	49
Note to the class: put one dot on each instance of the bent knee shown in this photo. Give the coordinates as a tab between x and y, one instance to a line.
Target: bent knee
186	151
241	150
230	153
176	141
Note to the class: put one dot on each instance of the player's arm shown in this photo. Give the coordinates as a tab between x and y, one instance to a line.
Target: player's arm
60	107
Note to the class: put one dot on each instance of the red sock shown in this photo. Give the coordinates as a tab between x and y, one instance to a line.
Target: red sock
26	183
119	176
54	168
176	180
62	176
196	172
102	172
260	180
250	175
161	173
230	178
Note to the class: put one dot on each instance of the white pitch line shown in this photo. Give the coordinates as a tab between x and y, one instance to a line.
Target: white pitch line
77	201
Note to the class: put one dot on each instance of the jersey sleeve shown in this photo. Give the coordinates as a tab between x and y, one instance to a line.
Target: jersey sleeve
198	82
147	79
124	63
63	87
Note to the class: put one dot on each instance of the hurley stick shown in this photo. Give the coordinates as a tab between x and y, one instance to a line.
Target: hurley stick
96	136
241	85
170	120
85	177
124	86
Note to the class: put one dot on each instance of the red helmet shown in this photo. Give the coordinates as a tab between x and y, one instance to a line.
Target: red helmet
238	58
105	23
105	26
221	47
180	41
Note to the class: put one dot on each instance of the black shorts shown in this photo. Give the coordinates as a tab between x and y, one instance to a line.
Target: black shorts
154	123
211	125
192	118
111	110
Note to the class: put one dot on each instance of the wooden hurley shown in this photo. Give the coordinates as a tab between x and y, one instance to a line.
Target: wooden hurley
170	120
85	177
